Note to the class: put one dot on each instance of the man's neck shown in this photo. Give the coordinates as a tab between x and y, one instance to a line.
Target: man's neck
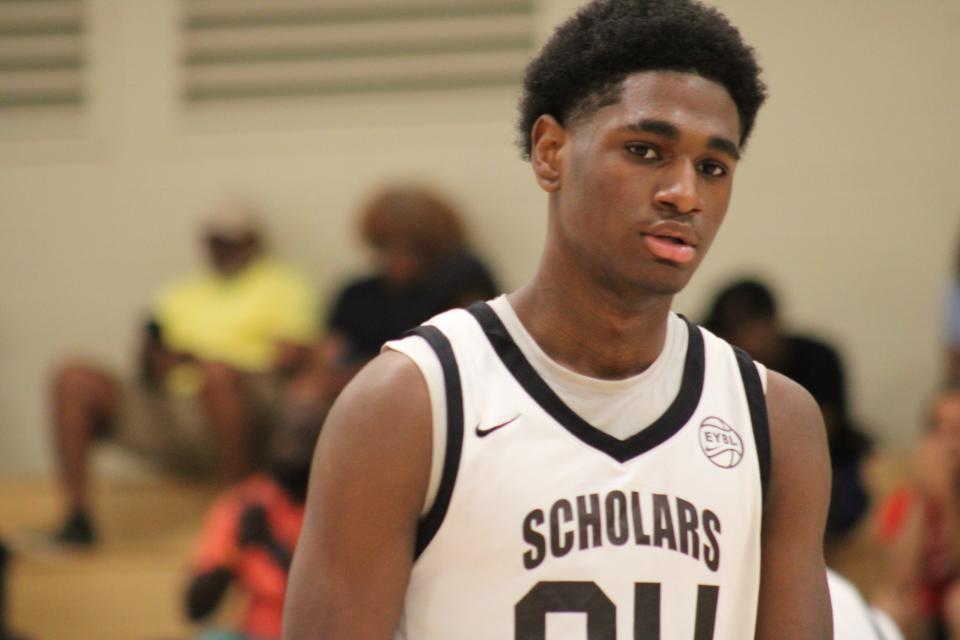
589	329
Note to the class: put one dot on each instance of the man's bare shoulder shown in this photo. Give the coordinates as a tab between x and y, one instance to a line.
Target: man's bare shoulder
387	400
798	439
795	418
388	377
367	487
794	601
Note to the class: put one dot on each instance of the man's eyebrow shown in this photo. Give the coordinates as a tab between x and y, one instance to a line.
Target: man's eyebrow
668	130
659	127
724	146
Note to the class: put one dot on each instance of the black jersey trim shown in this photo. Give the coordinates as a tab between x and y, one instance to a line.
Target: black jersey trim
673	419
757	403
430	523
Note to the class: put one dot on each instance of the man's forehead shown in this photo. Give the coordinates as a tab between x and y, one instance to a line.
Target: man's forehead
679	99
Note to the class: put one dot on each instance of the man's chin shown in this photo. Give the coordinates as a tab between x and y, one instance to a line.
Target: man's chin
663	288
665	282
657	279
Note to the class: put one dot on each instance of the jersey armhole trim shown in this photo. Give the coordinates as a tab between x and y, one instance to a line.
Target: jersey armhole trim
757	403
430	523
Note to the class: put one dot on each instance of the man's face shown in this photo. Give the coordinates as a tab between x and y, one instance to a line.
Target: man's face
292	443
642	185
403	266
229	255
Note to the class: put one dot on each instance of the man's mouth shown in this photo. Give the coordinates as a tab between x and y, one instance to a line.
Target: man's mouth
669	247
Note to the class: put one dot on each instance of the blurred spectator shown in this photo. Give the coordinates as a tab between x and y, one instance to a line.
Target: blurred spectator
250	532
920	526
952	322
424	266
853	618
5	632
213	359
745	314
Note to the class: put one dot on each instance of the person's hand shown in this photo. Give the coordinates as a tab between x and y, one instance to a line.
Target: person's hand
254	528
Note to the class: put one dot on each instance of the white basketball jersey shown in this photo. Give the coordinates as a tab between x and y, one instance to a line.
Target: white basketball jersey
545	527
853	618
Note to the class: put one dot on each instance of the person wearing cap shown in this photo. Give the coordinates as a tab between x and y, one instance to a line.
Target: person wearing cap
215	352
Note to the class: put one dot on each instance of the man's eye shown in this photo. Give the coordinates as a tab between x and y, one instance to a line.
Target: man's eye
714	169
644	151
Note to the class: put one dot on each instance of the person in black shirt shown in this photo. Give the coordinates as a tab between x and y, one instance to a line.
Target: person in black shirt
745	314
423	267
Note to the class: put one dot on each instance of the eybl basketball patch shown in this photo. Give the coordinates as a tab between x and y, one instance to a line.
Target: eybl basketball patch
720	443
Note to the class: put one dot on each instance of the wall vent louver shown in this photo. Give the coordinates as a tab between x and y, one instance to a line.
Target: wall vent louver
41	53
235	49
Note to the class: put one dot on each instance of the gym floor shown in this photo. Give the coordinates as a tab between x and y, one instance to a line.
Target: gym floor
131	586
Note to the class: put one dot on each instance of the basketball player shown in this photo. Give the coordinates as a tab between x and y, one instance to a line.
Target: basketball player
853	618
573	460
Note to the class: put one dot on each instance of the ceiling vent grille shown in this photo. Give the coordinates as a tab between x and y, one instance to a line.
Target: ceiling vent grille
253	49
41	53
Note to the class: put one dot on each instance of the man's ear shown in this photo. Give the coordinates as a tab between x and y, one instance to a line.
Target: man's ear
547	141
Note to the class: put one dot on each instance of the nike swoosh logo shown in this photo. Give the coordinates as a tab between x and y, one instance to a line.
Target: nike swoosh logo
483	433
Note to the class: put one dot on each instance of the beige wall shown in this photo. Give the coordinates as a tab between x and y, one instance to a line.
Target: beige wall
848	197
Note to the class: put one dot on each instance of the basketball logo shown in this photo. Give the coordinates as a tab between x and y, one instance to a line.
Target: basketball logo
720	443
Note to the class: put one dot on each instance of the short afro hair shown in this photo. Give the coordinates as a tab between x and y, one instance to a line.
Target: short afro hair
583	66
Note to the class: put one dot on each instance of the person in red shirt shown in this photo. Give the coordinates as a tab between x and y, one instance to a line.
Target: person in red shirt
250	531
919	525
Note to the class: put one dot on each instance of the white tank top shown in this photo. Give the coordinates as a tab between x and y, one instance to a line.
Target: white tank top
544	526
853	618
618	407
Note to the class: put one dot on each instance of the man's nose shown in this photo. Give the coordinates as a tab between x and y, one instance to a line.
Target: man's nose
678	188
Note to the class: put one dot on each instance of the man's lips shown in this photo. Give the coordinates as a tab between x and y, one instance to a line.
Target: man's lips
671	241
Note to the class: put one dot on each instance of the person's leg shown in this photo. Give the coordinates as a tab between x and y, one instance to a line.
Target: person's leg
4	561
227	410
5	632
83	397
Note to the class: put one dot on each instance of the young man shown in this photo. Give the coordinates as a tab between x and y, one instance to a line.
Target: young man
573	460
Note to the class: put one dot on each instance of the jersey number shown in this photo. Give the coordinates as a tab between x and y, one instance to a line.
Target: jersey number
586	597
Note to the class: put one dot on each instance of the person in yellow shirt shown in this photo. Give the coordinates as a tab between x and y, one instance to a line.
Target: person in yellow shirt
215	354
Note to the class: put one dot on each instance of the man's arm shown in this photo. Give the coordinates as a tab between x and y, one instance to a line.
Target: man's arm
794	600
367	486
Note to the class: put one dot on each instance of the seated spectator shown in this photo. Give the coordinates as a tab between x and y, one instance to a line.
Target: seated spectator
214	355
853	618
5	632
745	314
919	525
423	267
250	532
952	323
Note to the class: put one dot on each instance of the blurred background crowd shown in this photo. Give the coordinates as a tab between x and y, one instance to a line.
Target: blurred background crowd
215	212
